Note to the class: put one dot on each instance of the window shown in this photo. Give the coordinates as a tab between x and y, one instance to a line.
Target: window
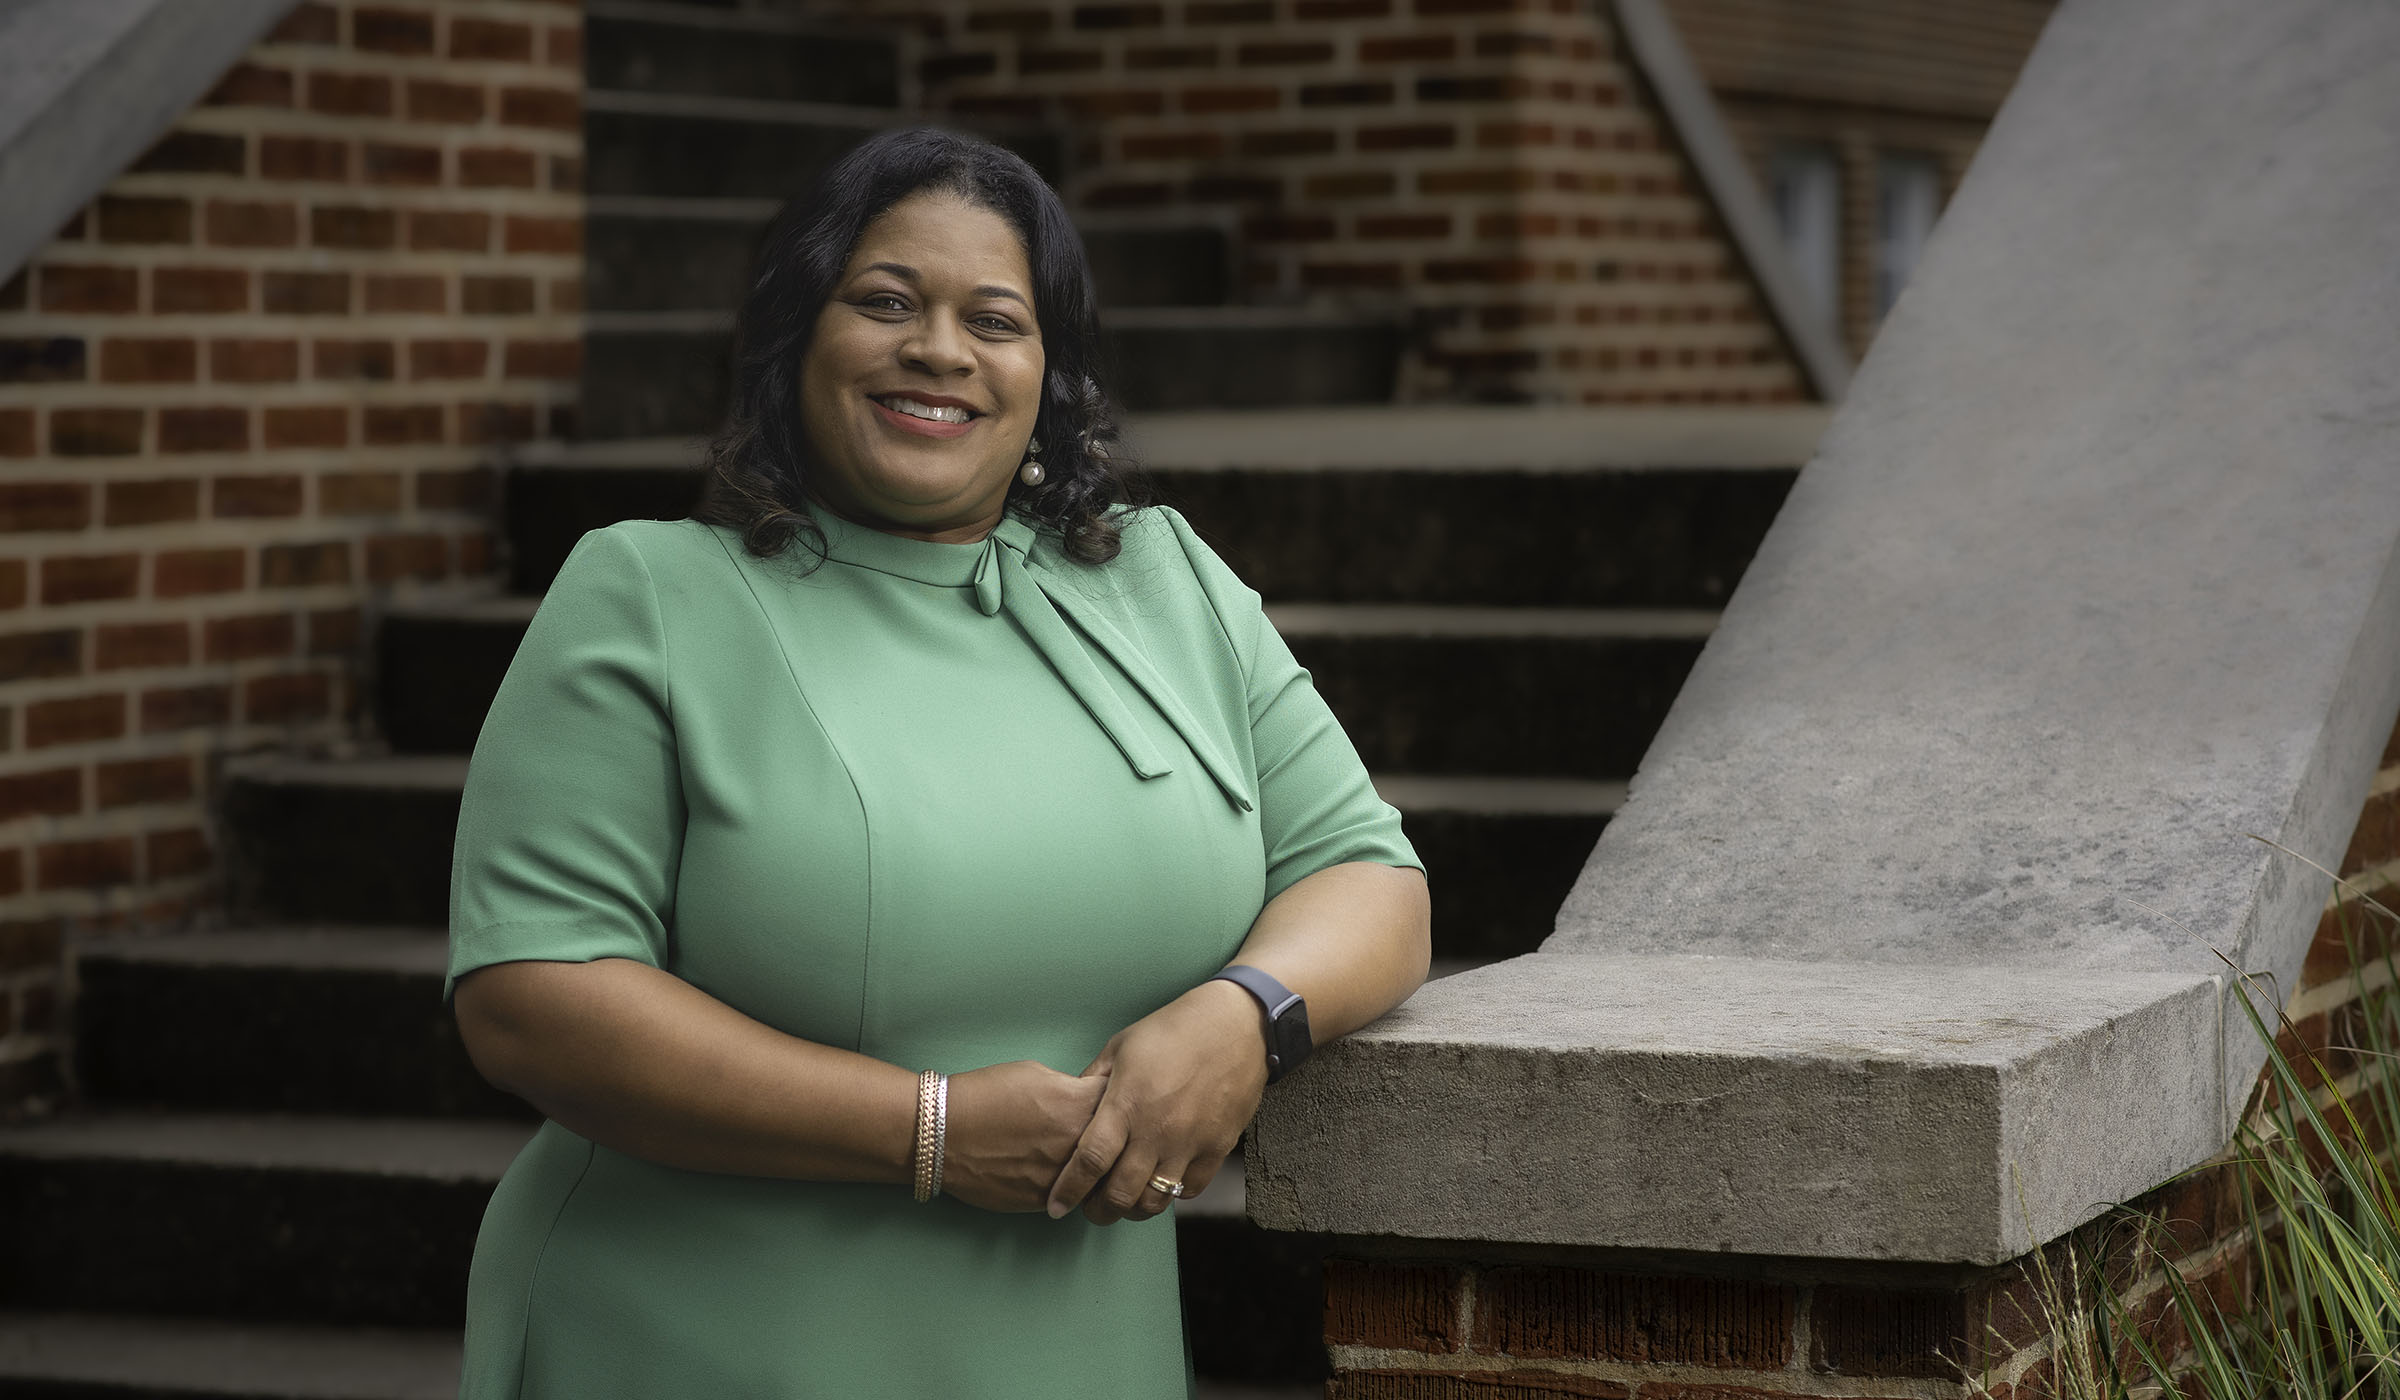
1908	198
1805	184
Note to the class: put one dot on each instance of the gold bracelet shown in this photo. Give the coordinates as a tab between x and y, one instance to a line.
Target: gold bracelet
927	1171
941	1126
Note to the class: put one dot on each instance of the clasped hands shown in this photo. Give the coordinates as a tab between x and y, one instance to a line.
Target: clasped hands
1168	1097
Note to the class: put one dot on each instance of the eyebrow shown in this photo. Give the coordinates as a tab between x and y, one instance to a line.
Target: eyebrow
903	270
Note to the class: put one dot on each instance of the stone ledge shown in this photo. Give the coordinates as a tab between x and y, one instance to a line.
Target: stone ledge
1830	1110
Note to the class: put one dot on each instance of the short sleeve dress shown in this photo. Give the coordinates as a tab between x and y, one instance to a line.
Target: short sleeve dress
944	804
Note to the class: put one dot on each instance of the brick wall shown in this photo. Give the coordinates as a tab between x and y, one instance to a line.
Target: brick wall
1492	167
248	396
1471	1329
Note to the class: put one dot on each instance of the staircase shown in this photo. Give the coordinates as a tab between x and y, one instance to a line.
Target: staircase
274	1187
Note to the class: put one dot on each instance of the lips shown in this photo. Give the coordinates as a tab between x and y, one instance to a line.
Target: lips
957	417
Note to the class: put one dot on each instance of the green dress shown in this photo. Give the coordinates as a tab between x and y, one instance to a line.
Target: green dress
944	804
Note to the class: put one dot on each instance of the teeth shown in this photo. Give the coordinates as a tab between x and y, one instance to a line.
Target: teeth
948	413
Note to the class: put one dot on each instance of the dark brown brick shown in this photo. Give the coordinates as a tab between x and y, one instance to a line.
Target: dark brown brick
1409	48
475	552
487	167
95	432
255	496
254	361
564	48
945	67
552	109
52	792
83	865
1018	21
1410	1306
355	359
1109	105
1228	189
186	707
1492	87
137	780
250	637
543	359
1283	53
358	493
1286	143
312	425
1567	1312
352	227
1417	136
203	430
78	287
56	651
1152	56
91	578
350	94
529	234
449	231
309	23
1229	12
176	853
1119	16
241	223
407	292
566	294
1364	94
307	293
1230	99
384	29
150	360
16	290
394	425
480	423
15	586
183	573
1887	1332
194	153
199	289
448	359
491	40
430	101
1404	226
144	219
154	502
303	158
139	645
252	85
384	163
304	565
1181	145
495	296
1393	1384
42	359
78	719
1340	9
335	631
12	883
391	558
287	699
1043	62
28	506
465	488
16	432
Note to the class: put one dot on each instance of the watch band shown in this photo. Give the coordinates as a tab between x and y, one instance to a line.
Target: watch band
1288	1041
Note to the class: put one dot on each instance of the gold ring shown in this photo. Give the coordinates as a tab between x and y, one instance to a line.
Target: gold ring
1165	1187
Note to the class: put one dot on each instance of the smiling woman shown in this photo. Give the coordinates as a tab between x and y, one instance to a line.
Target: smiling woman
892	824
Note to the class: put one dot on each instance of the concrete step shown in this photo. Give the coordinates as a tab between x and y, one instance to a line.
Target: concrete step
108	1356
1584	689
333	1020
367	842
637	47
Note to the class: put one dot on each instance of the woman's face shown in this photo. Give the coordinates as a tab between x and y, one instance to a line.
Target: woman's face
922	380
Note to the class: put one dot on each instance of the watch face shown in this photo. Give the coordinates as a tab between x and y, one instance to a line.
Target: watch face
1289	1038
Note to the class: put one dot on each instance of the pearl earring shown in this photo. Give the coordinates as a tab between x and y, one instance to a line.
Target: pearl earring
1032	473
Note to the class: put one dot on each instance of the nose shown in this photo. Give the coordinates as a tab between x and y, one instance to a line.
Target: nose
937	344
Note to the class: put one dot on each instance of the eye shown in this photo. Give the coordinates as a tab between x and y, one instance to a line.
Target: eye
883	301
993	321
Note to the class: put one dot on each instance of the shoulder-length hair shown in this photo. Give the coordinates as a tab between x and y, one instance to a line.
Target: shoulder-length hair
758	465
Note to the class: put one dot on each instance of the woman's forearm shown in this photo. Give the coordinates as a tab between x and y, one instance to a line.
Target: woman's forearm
642	1061
1353	940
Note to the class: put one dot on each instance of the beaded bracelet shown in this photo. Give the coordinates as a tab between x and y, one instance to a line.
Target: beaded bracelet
933	1123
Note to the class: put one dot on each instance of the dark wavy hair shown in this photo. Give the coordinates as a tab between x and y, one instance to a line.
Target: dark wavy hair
759	461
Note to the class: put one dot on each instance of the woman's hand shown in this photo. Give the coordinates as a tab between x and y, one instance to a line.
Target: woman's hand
1011	1128
1181	1084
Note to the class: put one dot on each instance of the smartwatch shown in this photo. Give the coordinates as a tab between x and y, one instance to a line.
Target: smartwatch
1287	1017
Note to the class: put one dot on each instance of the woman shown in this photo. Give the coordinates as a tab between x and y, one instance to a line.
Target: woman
913	752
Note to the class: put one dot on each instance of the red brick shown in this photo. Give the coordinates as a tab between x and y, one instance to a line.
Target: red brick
1105	106
1228	12
138	645
307	293
186	707
43	359
16	432
1677	1390
1119	16
475	552
303	158
1345	94
204	430
1171	56
12	883
393	425
1184	145
1230	99
1414	1307
480	423
528	234
351	227
316	425
358	493
252	85
1472	1385
83	865
407	292
138	780
144	219
1480	270
78	287
1214	189
249	637
254	361
309	23
14	584
543	359
1510	135
495	296
194	153
1404	226
1409	48
430	101
394	557
288	698
450	231
1270	144
1569	1312
182	573
350	94
382	29
91	578
1340	9
56	651
382	163
1288	228
95	432
238	223
564	47
1283	52
448	359
566	294
482	167
176	853
556	109
356	359
80	719
52	792
173	360
1478	180
491	40
1041	62
199	289
304	565
29	506
466	488
255	496
1021	21
334	631
154	502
